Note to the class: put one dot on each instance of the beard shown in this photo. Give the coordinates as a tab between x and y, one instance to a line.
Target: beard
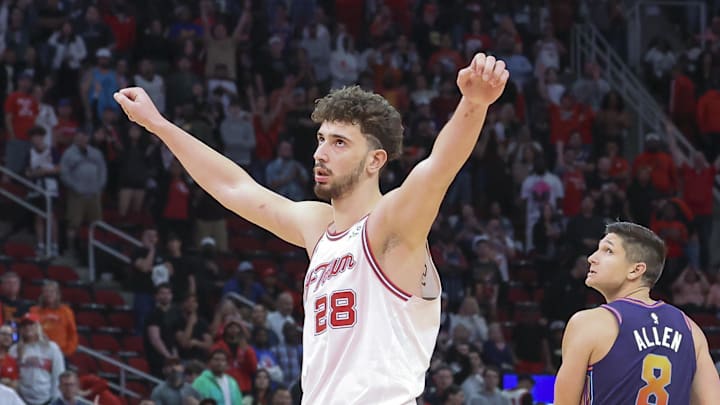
328	192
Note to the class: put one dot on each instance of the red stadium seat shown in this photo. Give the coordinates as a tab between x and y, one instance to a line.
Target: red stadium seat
139	387
62	274
122	320
76	296
83	340
703	319
279	246
133	344
19	250
139	363
109	370
245	244
109	298
31	292
28	271
84	363
104	342
93	320
518	294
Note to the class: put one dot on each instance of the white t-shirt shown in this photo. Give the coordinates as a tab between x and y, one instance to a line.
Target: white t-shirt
8	396
225	387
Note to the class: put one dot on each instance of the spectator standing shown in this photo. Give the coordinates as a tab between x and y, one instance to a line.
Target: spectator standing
57	319
13	307
287	176
174	389
159	336
84	173
44	169
241	358
21	111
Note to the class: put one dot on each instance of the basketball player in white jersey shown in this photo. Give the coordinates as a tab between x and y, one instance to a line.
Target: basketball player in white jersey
372	294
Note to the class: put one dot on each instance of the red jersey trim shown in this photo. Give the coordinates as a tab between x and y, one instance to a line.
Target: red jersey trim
335	236
397	291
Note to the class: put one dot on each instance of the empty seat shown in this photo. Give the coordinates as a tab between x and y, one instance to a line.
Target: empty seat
62	274
109	298
76	295
19	250
31	292
139	363
92	320
84	363
104	342
133	344
28	271
122	320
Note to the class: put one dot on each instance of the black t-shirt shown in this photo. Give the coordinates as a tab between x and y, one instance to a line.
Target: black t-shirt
199	330
141	282
166	321
12	310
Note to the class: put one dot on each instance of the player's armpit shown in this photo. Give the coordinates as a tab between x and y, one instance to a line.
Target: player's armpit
705	388
576	351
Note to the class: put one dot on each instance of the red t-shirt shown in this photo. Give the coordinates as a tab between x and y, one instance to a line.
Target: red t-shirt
9	368
24	110
698	189
178	201
663	174
574	184
564	122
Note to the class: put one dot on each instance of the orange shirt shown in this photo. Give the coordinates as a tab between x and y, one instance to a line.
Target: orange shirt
708	112
674	246
663	175
59	326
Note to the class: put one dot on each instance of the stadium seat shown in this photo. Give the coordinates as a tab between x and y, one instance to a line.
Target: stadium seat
19	250
123	320
62	274
295	266
139	363
109	298
76	296
84	363
133	344
245	244
109	370
83	340
92	320
705	319
31	292
139	387
28	271
104	342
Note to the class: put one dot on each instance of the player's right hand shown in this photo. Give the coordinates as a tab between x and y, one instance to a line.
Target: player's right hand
138	106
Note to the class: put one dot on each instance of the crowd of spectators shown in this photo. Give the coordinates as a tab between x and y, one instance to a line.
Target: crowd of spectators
511	239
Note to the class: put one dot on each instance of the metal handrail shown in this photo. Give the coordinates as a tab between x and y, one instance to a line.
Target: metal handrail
247	301
47	214
94	243
124	369
589	44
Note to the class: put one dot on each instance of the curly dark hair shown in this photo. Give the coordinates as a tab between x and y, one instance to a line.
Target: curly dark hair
379	121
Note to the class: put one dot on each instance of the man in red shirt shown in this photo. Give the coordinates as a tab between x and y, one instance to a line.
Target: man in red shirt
697	179
21	110
663	171
708	116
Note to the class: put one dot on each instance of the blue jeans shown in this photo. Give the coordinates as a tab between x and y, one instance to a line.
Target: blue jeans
143	304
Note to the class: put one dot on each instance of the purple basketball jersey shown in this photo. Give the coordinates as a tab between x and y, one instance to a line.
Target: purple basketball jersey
652	361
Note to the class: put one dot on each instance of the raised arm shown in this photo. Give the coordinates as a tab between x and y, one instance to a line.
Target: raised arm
299	223
408	212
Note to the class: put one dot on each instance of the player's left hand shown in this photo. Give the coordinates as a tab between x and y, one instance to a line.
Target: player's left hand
483	81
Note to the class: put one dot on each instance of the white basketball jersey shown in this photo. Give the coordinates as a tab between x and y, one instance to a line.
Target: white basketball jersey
365	341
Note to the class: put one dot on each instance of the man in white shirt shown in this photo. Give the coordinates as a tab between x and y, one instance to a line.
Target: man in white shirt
283	313
8	396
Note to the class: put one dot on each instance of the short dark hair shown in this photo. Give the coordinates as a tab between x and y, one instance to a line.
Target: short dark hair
36	131
641	245
219	351
163	286
378	120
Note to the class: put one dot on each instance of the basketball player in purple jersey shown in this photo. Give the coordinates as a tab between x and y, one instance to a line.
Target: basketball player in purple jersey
371	294
633	350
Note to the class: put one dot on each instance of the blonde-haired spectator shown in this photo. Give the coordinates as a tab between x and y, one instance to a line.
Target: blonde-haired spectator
56	318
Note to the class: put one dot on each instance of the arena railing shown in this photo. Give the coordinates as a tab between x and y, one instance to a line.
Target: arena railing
589	45
93	243
45	213
121	386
